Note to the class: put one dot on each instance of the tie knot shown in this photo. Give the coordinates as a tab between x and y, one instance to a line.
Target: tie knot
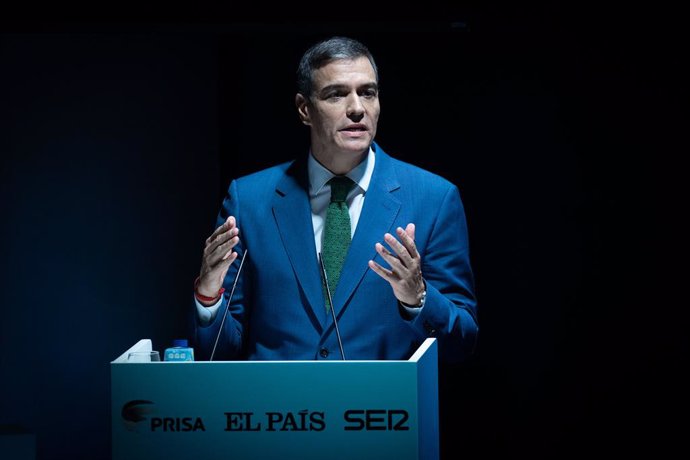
340	187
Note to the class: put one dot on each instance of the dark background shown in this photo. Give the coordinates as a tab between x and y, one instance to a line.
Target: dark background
121	131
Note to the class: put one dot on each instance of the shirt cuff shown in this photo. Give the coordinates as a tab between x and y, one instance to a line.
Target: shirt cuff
206	314
412	311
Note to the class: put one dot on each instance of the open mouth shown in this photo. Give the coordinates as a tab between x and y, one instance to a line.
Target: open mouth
355	128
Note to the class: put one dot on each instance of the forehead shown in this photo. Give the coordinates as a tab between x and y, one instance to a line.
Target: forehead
350	72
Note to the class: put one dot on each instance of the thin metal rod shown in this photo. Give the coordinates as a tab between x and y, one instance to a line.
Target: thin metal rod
227	305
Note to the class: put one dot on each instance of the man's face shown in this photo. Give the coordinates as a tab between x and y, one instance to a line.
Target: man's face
343	110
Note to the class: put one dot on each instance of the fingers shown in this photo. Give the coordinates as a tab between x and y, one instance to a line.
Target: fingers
382	272
229	224
398	248
215	253
404	275
404	258
405	248
219	245
407	238
218	256
410	230
397	267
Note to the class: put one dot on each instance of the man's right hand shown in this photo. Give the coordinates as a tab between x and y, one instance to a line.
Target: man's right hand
218	256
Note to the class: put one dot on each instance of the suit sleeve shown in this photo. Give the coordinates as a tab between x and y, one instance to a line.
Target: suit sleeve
230	342
450	310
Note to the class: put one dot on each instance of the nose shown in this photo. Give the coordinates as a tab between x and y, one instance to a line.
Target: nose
355	108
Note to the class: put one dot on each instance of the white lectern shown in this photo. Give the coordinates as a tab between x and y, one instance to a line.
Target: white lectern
275	409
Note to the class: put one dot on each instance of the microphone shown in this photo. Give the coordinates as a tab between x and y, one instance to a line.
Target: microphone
227	305
330	304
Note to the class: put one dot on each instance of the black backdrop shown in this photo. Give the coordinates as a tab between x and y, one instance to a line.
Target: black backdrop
120	133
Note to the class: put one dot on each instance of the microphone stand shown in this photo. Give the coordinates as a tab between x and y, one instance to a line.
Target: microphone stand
330	304
227	305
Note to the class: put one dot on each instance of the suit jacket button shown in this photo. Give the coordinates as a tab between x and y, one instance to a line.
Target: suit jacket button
324	353
429	328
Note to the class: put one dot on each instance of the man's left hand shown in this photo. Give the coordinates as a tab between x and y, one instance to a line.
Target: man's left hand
405	273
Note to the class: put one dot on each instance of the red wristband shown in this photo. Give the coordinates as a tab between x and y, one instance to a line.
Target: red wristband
203	298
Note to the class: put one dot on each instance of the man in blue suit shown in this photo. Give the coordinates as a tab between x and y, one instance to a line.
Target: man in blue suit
406	275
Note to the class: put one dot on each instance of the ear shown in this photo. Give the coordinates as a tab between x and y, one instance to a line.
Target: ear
303	109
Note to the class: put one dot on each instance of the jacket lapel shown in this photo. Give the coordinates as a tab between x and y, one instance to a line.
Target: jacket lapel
292	212
378	214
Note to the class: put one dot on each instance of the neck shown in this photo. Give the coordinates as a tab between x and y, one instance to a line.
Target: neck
339	163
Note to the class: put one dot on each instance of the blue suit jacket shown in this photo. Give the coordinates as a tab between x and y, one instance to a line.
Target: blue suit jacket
277	311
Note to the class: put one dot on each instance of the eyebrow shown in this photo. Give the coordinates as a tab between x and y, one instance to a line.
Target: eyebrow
336	87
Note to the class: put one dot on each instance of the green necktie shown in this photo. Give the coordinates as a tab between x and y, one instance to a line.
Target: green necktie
336	238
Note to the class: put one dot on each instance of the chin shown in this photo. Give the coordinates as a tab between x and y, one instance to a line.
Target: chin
357	146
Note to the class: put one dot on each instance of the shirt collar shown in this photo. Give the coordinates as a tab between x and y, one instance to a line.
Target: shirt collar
360	174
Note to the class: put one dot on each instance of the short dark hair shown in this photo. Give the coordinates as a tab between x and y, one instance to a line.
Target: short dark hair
323	53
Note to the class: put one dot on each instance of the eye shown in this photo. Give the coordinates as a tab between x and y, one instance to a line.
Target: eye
369	93
334	95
